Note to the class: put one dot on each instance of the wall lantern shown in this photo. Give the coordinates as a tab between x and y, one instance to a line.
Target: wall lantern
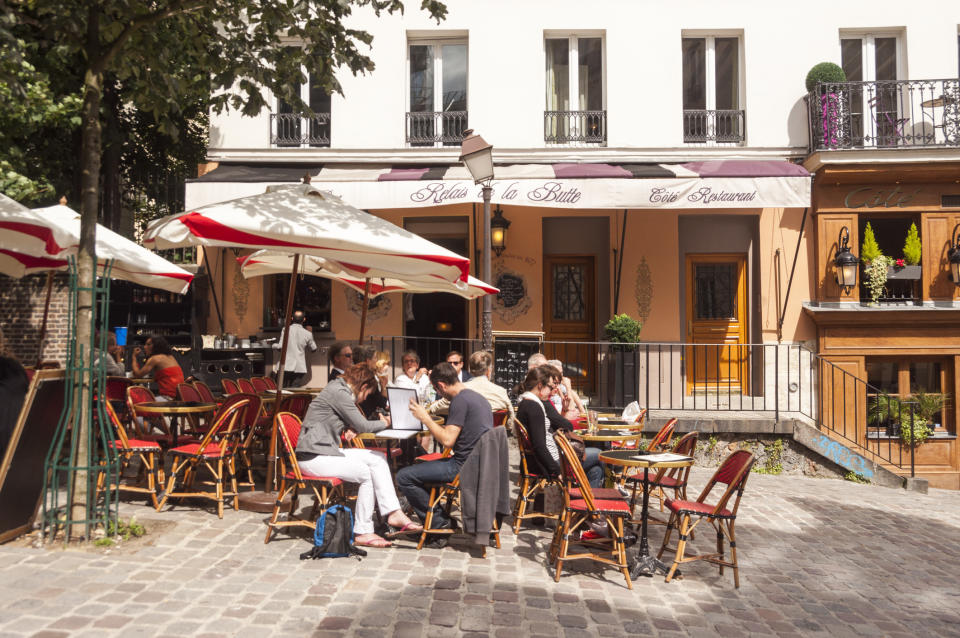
498	231
954	256
846	262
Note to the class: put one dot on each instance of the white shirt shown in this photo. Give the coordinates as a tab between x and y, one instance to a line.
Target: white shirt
300	340
422	387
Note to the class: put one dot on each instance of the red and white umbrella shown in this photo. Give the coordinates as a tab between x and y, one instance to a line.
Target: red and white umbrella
305	220
41	239
268	262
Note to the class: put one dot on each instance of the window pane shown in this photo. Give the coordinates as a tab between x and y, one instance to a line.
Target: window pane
925	377
558	78
590	53
851	58
728	71
882	375
886	58
454	77
716	290
694	73
421	78
568	295
319	98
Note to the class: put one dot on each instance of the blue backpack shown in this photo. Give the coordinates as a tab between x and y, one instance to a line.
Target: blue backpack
333	536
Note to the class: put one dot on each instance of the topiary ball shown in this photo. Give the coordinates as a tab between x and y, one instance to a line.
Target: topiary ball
824	72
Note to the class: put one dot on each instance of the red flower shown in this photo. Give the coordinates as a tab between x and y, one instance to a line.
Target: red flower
900	263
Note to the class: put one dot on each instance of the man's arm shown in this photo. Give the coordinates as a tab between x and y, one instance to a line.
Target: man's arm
445	434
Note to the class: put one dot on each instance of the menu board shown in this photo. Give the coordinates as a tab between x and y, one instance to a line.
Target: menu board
510	353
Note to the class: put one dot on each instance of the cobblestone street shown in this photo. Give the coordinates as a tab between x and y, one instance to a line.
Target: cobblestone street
818	557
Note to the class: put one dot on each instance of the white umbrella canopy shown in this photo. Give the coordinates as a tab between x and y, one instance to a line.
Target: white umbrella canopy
41	239
269	262
305	220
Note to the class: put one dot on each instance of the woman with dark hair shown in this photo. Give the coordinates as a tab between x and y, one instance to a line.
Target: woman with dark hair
161	362
334	412
541	419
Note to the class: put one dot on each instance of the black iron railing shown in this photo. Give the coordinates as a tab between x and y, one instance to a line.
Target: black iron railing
722	126
293	130
884	114
567	127
428	128
776	379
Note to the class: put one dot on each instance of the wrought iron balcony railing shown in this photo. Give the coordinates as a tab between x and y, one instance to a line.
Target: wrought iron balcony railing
565	127
724	126
293	130
429	128
884	114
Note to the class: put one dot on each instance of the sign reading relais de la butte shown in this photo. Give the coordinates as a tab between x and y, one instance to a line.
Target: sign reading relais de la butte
877	198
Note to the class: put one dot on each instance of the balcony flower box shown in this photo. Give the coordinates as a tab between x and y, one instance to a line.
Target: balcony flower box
904	272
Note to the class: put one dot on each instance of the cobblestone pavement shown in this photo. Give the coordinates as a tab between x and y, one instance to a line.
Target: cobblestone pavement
818	557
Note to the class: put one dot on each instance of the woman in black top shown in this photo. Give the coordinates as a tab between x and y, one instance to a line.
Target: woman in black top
541	419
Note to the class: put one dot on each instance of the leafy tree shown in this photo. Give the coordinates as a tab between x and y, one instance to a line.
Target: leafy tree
870	250
166	51
912	249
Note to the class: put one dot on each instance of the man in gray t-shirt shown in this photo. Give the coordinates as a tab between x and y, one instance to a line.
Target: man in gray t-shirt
470	417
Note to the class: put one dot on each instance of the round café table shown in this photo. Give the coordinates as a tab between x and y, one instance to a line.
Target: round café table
646	564
618	425
189	409
611	435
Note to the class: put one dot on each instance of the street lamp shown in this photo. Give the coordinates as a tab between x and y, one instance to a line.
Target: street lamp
478	157
498	231
954	256
846	262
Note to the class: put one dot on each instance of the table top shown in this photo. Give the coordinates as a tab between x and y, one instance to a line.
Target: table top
943	100
618	425
611	435
175	407
629	458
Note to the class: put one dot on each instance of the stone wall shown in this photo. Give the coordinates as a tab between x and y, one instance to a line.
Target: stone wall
776	454
21	315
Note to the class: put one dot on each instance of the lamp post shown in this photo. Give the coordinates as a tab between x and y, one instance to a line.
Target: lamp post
846	262
478	157
954	256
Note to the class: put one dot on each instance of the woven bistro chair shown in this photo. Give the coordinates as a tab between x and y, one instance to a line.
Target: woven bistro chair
230	386
327	490
248	422
206	394
216	454
630	445
531	482
116	390
271	384
733	473
127	449
259	384
499	418
659	441
673	478
582	507
246	386
295	404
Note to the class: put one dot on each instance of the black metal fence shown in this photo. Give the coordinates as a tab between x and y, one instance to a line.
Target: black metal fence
884	114
701	125
429	128
297	129
566	127
776	379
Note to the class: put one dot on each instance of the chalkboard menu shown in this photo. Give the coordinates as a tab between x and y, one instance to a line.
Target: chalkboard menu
510	353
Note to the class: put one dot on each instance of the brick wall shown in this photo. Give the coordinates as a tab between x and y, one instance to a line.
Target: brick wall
21	315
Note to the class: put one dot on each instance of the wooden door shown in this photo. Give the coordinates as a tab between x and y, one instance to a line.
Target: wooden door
717	318
569	315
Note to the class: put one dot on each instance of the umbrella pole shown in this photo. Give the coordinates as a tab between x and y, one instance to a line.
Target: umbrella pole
213	289
272	450
46	311
366	304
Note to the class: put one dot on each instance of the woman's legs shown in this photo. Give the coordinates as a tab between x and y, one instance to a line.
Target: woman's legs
352	469
593	467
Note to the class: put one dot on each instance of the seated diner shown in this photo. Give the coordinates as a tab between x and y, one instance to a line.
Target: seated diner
161	364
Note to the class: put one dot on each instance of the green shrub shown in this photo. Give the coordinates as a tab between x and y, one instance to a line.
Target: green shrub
824	72
869	249
853	477
912	247
622	328
875	274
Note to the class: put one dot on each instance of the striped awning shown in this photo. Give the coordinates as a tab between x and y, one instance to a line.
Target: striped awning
698	185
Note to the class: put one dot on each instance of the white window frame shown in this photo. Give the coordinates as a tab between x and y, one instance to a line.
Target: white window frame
868	52
437	44
573	63
710	75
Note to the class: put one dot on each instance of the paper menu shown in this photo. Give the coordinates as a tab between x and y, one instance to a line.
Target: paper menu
401	418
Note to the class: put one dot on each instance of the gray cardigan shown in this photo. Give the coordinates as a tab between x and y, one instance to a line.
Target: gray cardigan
332	411
485	485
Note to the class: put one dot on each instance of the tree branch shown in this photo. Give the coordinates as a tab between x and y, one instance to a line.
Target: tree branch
176	8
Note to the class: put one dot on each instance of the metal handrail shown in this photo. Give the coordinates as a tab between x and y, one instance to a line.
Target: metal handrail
299	129
427	128
561	127
717	125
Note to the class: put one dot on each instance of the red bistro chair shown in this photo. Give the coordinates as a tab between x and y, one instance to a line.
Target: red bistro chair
206	394
127	449
259	384
531	483
230	386
246	387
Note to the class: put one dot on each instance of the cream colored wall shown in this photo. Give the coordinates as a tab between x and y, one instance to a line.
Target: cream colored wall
241	300
779	229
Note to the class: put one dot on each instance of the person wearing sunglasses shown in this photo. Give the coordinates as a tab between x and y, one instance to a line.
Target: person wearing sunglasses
455	359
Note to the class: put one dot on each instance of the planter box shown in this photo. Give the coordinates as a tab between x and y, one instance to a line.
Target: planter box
904	272
623	377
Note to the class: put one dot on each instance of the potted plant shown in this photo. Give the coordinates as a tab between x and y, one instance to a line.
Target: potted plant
623	366
929	405
898	417
876	266
829	101
909	266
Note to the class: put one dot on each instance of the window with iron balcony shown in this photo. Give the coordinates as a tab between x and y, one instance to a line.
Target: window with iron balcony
290	128
712	111
575	112
437	92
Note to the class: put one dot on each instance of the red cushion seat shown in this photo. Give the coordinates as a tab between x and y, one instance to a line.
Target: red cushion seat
135	445
333	481
693	507
602	493
606	506
211	451
424	458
